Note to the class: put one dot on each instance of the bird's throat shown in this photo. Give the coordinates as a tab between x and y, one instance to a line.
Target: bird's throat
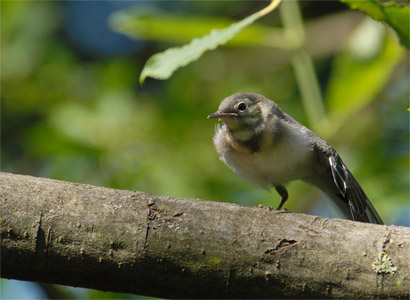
246	138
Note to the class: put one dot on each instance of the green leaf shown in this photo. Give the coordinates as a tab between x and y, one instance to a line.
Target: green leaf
163	65
394	13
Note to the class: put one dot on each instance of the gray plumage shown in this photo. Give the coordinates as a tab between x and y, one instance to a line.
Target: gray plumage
267	147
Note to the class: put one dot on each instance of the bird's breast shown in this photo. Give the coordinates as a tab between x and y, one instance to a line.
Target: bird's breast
271	164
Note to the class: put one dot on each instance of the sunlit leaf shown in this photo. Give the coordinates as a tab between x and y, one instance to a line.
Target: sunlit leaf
163	65
395	13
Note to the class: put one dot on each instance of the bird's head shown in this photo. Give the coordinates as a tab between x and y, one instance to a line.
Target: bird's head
241	111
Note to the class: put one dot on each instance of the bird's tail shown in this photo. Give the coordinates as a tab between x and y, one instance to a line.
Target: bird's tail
351	196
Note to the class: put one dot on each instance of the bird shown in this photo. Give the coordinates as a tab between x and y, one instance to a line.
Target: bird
266	146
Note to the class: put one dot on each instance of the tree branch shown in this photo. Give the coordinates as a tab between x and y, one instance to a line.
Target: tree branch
133	242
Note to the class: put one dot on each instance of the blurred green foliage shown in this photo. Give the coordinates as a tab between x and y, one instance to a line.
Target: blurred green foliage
158	25
393	13
81	118
365	66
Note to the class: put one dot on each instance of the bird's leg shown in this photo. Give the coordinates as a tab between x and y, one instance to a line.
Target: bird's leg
283	192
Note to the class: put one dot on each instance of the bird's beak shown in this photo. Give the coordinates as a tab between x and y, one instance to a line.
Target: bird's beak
221	115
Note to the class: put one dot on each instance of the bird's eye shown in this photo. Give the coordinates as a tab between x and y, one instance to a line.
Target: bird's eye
242	106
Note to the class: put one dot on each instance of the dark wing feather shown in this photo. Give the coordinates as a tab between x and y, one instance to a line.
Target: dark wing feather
350	191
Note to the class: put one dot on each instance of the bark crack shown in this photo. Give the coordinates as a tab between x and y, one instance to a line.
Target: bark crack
48	239
282	244
39	235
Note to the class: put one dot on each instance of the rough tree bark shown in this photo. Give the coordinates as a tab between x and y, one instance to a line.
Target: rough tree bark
134	242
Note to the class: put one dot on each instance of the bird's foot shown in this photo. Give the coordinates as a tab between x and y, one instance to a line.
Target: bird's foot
270	208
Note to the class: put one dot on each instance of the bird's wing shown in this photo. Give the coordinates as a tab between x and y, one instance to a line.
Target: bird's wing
350	192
